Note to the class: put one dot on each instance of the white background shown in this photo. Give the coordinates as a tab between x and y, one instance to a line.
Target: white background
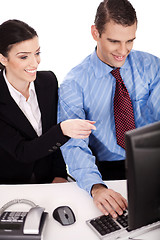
63	27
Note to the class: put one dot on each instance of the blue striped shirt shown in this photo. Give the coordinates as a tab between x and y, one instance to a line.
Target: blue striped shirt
87	92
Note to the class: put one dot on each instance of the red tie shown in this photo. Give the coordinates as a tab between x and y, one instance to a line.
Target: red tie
123	111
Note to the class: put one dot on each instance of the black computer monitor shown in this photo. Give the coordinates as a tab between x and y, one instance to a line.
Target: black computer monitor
143	175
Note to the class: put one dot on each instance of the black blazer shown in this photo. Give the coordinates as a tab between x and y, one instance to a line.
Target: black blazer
22	152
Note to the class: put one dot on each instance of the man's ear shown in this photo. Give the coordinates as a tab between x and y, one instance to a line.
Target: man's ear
3	60
95	33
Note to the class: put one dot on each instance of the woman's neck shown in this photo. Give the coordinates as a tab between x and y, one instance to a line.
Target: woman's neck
20	86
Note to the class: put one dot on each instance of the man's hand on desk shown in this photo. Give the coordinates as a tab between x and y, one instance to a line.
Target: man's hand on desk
59	180
108	201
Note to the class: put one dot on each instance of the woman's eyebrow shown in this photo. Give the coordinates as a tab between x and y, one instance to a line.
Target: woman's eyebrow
27	52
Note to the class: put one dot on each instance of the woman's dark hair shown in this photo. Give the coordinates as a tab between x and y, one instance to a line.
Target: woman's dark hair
119	11
11	32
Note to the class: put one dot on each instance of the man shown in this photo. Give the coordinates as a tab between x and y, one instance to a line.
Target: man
88	93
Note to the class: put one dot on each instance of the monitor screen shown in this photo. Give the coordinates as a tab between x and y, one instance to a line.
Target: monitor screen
143	175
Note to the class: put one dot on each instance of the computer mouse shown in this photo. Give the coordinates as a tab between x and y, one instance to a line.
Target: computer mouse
64	215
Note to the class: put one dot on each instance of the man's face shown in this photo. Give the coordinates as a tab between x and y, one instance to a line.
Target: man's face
115	43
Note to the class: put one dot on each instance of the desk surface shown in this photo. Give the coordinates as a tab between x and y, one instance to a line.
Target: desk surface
52	196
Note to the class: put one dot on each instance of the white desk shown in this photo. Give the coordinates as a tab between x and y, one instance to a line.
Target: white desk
51	196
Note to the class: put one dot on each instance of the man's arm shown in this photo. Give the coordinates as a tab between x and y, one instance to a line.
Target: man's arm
150	107
77	155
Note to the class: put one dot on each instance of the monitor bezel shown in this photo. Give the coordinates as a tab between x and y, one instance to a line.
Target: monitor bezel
135	183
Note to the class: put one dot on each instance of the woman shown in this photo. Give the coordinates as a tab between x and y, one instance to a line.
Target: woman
30	137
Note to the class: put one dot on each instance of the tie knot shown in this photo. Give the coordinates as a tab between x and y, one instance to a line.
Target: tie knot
116	72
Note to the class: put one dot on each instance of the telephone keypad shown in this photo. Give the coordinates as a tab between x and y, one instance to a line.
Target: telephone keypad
14	217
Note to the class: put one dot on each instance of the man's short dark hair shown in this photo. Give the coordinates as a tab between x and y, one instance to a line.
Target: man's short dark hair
119	11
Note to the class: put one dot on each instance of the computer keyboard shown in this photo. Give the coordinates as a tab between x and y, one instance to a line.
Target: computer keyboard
106	225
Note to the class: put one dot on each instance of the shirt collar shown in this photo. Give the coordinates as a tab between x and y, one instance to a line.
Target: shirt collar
101	68
16	95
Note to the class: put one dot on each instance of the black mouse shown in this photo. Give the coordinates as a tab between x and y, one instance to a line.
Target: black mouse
64	215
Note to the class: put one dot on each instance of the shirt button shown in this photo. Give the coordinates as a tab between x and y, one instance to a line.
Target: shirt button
55	147
58	144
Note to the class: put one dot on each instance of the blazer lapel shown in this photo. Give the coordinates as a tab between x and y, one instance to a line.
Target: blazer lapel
11	113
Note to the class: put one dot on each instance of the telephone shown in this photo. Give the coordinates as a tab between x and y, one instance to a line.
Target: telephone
22	225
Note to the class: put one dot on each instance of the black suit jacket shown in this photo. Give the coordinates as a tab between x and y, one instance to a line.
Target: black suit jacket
22	152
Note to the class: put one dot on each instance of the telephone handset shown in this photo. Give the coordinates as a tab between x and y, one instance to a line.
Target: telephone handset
22	225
